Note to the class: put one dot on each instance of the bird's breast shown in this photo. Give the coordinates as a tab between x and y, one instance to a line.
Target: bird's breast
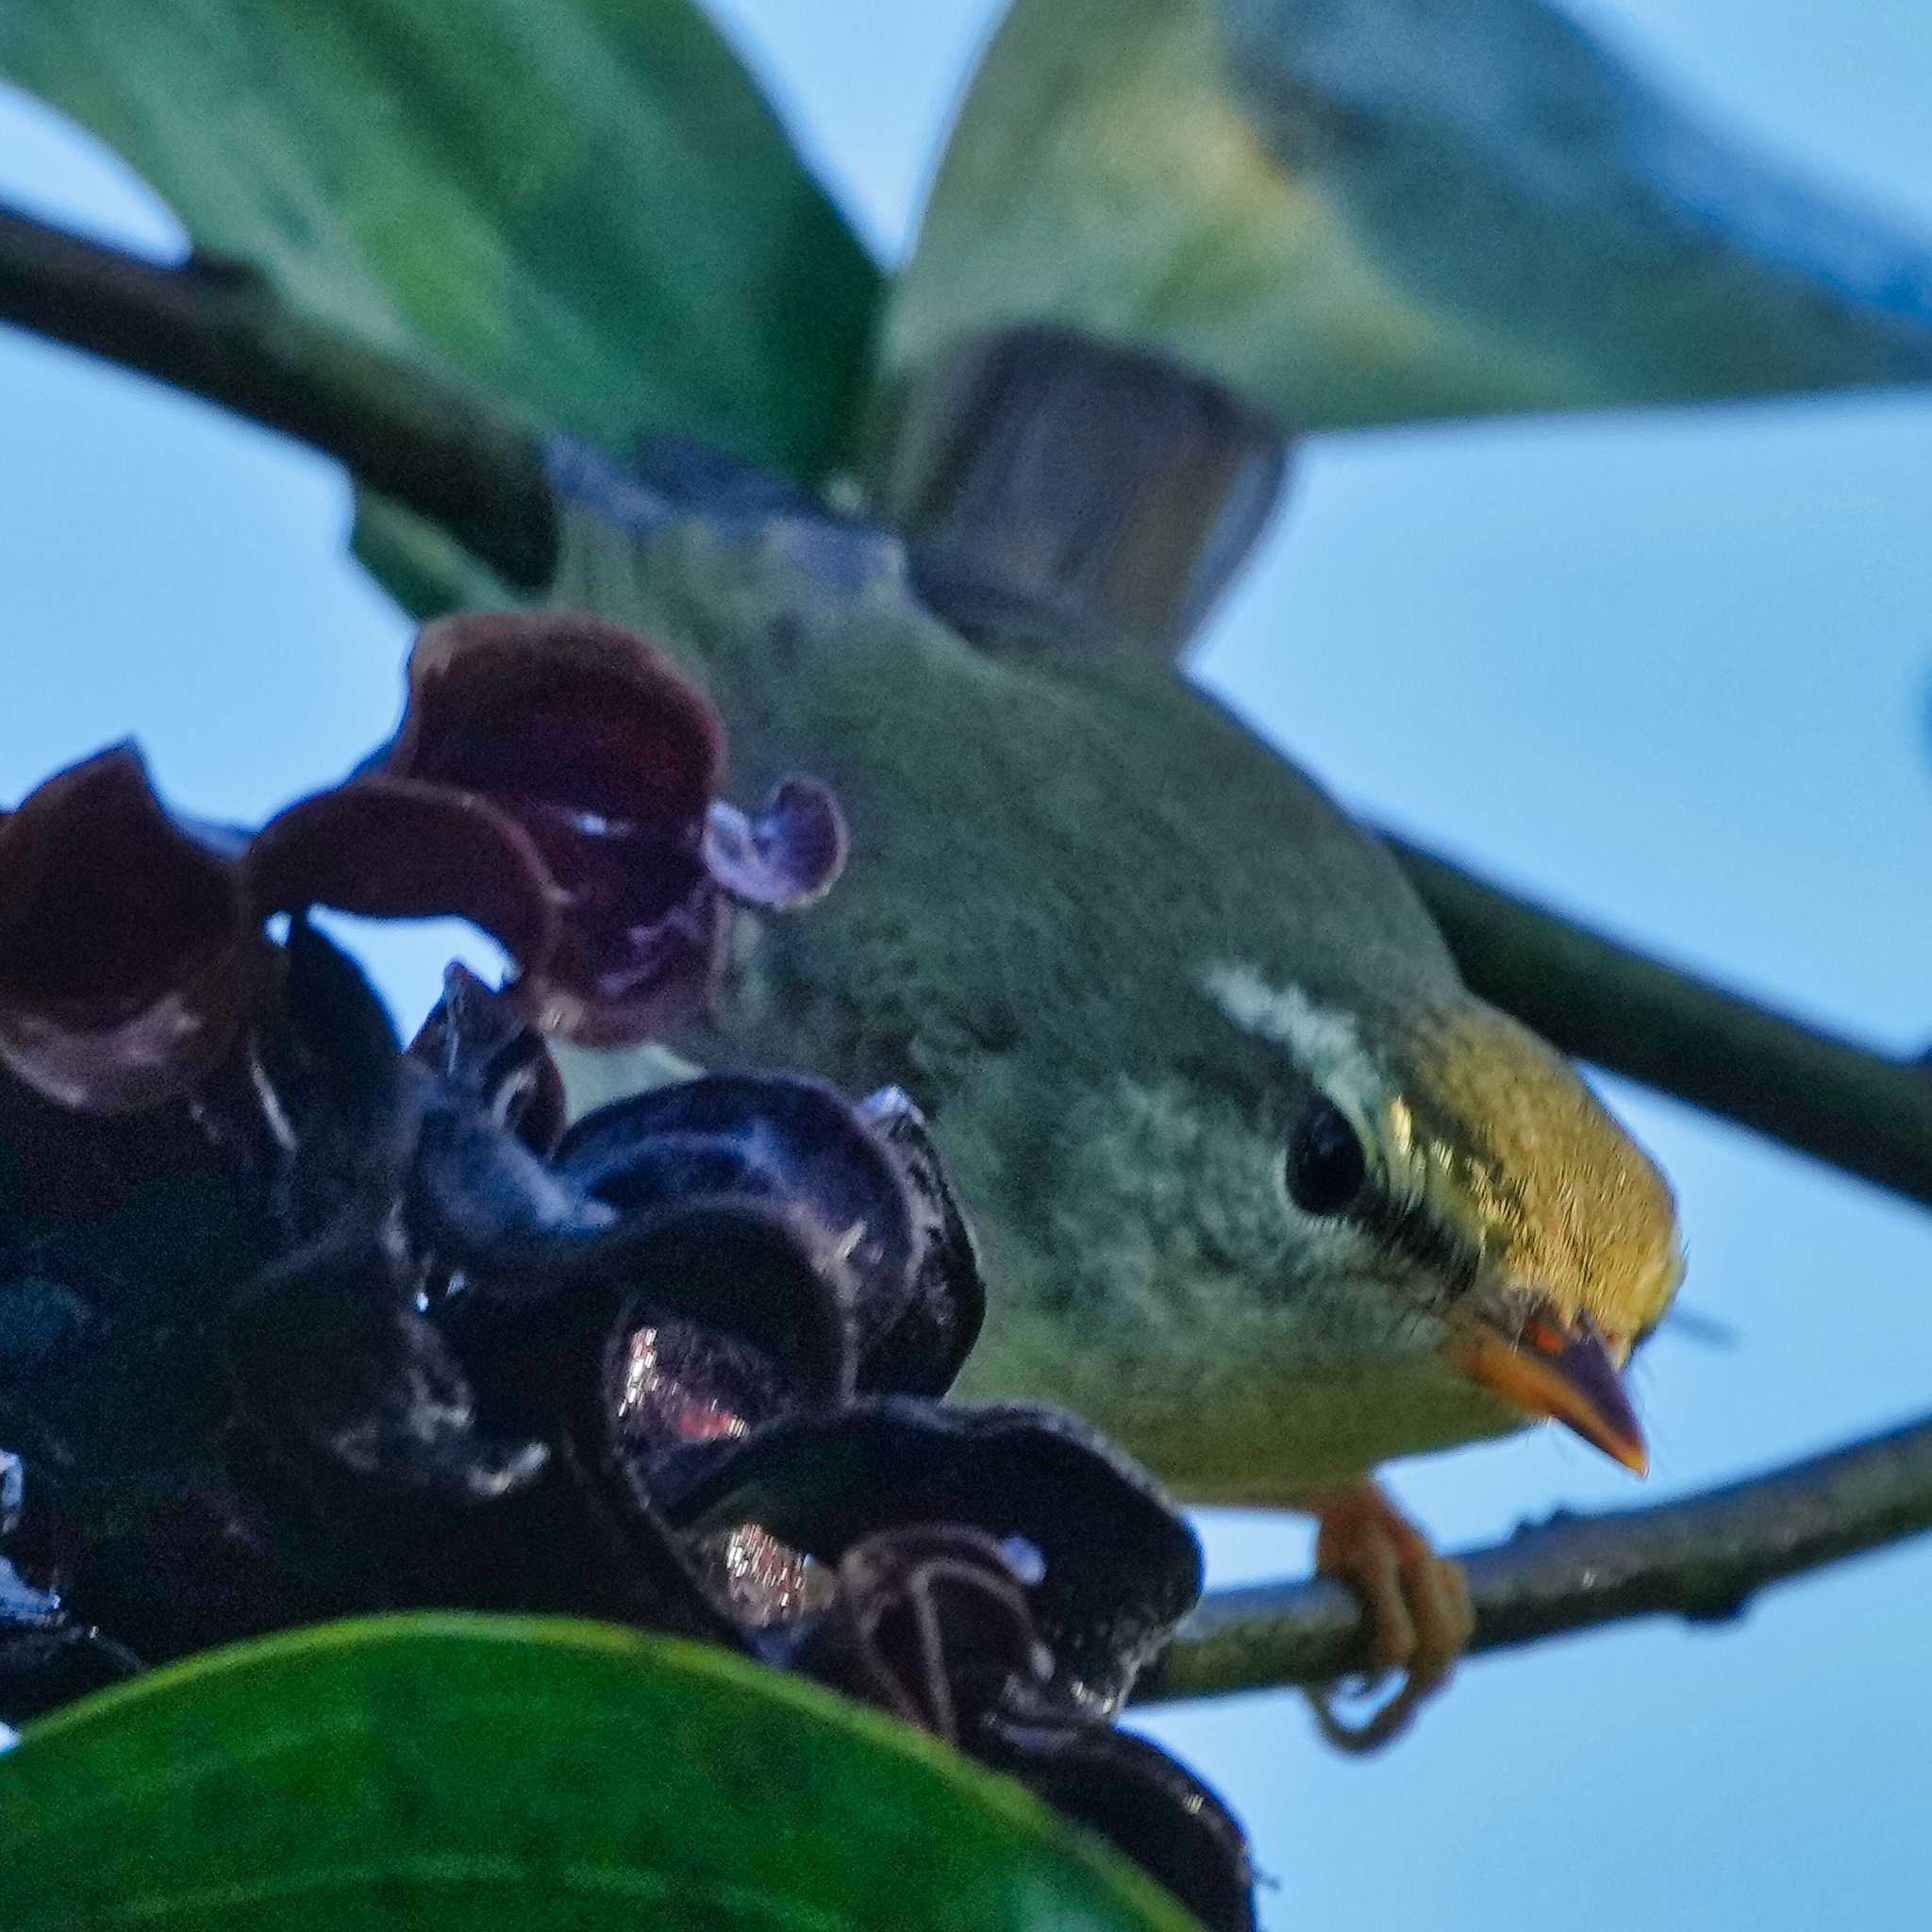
1259	1428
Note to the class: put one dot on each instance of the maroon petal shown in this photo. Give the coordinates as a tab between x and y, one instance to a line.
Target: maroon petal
786	854
627	970
128	960
390	849
559	710
605	756
1128	1790
641	933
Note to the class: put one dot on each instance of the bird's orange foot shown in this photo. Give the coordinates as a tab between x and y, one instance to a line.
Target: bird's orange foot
1416	1604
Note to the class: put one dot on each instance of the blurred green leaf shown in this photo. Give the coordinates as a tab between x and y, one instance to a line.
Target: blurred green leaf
585	206
520	1775
1357	212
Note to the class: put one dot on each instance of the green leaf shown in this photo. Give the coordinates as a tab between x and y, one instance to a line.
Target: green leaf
1357	212
585	206
520	1775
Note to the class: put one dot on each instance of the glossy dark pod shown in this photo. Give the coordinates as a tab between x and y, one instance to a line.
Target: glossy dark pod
934	1623
777	1138
923	1350
47	1655
1120	1567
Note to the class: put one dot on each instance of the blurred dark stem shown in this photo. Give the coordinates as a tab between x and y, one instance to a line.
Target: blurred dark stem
1609	1004
1703	1558
219	331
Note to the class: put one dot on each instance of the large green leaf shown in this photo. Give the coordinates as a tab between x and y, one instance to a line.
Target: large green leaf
585	206
1365	210
452	1772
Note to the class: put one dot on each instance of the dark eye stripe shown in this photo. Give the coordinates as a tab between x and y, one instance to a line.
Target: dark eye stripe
1407	1226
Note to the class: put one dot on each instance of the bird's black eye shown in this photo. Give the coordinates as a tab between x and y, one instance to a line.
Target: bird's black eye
1325	1163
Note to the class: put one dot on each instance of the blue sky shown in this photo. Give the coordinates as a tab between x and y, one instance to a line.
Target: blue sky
1673	671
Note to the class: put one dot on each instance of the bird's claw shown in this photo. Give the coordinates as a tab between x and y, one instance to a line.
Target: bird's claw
1416	1604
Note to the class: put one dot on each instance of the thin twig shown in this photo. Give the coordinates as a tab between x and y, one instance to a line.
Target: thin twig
1703	1558
219	331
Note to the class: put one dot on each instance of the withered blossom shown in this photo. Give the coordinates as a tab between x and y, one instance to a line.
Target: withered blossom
127	961
553	781
310	1325
592	744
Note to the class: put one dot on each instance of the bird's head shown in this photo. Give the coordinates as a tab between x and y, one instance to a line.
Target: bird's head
1444	1160
1311	1236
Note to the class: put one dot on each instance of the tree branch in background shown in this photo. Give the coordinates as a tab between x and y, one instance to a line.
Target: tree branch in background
221	332
1703	1558
1620	1010
218	330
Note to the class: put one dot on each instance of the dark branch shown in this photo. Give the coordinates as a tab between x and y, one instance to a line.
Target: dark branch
1703	1558
1605	1003
218	330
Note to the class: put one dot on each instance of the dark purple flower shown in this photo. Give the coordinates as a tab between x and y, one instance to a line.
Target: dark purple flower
479	1046
314	1326
553	781
47	1655
133	948
936	1624
128	960
599	751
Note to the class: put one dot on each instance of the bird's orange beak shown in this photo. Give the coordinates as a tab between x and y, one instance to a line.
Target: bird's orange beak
1562	1371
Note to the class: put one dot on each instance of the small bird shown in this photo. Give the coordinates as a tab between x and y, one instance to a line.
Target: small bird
1268	1194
